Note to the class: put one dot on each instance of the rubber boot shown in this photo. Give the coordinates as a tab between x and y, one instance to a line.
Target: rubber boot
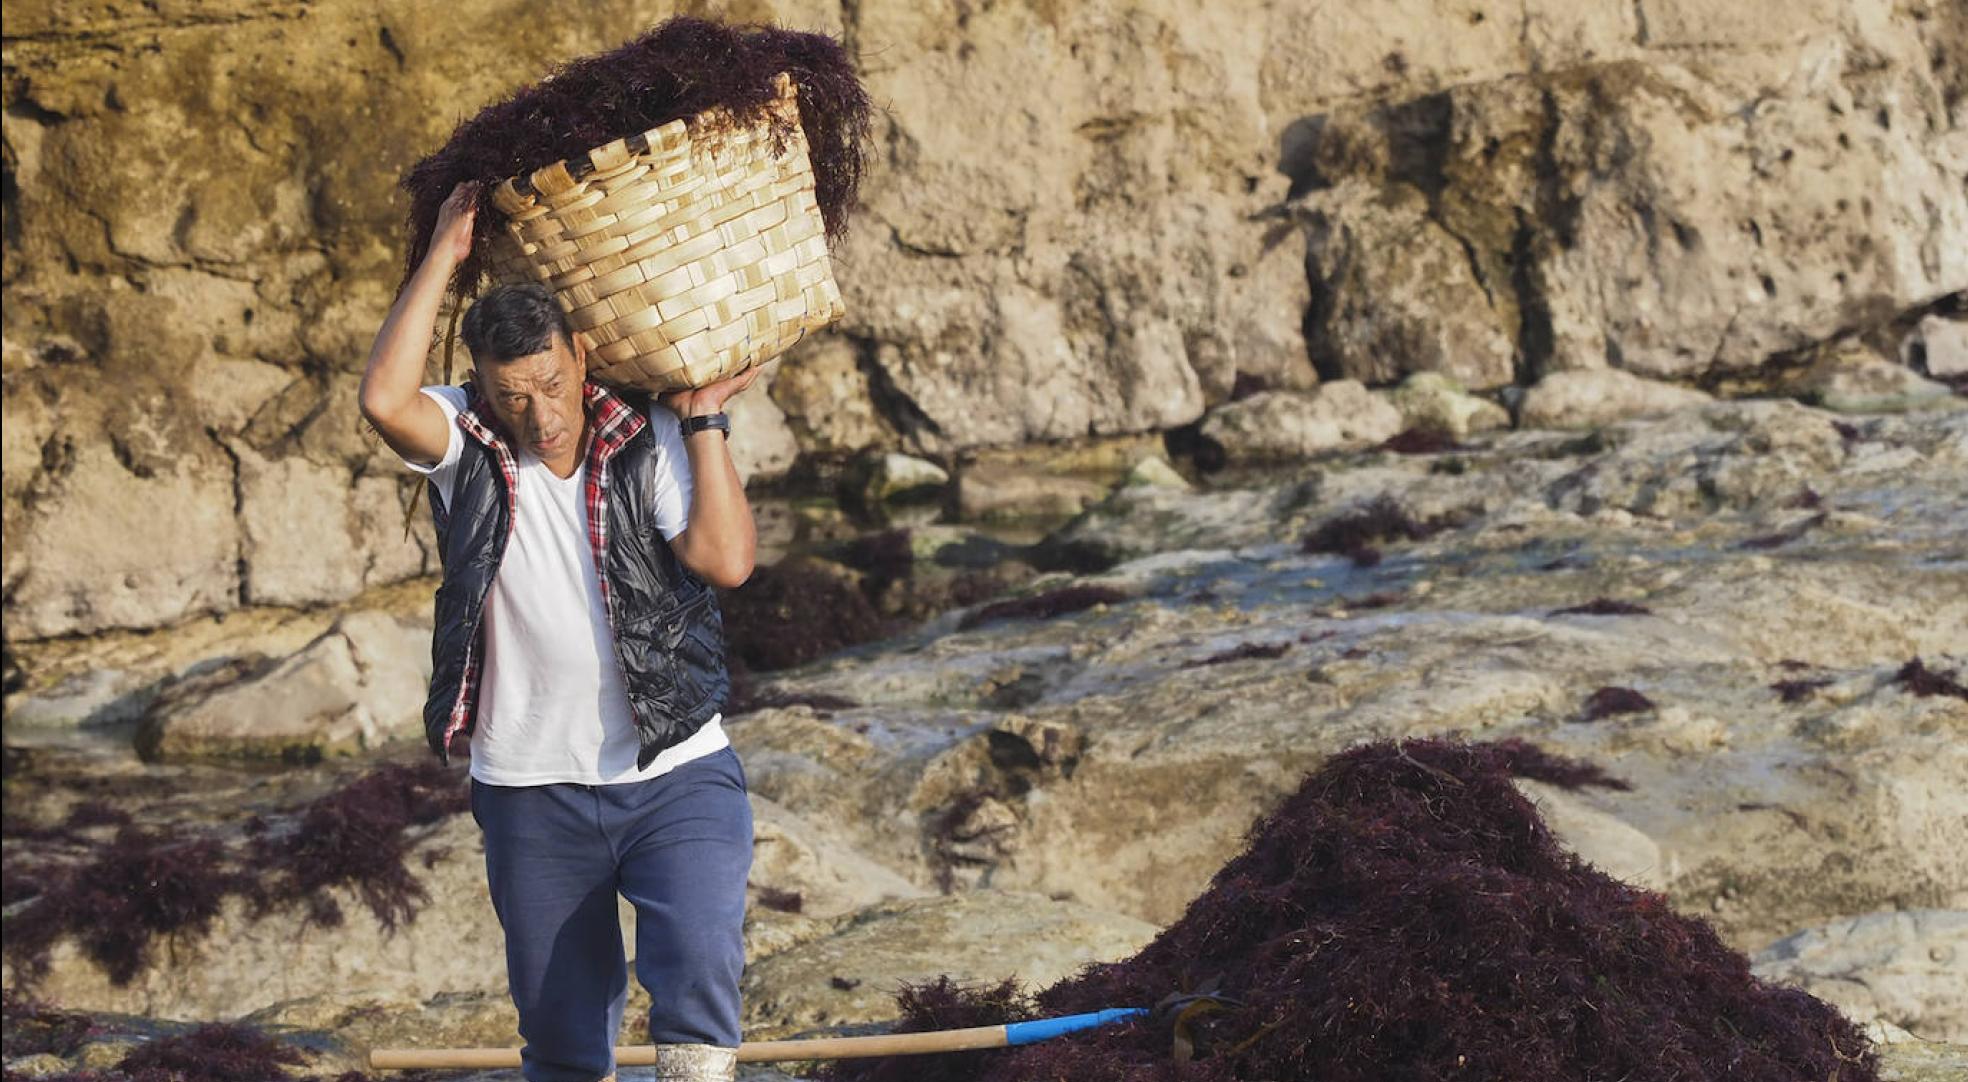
696	1063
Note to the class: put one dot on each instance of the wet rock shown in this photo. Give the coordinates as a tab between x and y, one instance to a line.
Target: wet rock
1766	816
359	976
1863	382
116	677
41	1065
1729	454
990	490
1137	521
1154	472
851	974
1173	765
1297	424
1900	967
1093	457
99	696
359	686
1589	398
879	479
1432	402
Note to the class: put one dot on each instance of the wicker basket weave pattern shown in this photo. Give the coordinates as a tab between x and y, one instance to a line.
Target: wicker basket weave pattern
685	254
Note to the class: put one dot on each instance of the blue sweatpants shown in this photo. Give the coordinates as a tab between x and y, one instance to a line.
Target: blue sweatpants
679	848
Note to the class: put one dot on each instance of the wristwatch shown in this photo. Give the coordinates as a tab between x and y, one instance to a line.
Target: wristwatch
719	421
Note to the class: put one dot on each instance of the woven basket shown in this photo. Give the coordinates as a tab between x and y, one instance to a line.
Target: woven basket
686	254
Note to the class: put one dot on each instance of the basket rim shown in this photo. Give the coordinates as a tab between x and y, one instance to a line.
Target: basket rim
520	193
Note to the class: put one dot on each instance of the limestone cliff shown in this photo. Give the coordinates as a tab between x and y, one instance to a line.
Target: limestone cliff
1085	218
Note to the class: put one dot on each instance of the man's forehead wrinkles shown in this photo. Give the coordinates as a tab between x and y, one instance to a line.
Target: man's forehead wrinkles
527	373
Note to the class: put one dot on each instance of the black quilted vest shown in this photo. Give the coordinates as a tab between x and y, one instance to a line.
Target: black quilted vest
669	637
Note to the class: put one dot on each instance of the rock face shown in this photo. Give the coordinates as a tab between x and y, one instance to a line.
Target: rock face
356	688
202	218
1522	211
106	547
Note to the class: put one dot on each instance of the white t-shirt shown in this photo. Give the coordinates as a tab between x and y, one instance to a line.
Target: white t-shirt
551	705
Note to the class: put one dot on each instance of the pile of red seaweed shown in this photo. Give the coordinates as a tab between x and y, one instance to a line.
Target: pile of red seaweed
146	884
1359	533
792	612
213	1052
1407	916
208	1053
679	69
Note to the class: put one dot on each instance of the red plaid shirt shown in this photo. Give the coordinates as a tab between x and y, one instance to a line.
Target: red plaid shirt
611	424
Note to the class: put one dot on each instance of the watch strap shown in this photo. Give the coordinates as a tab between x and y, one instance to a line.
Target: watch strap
719	421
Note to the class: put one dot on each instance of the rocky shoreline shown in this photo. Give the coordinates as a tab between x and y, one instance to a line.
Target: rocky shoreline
1754	612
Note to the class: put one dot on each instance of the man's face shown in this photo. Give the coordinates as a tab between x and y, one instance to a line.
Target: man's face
538	400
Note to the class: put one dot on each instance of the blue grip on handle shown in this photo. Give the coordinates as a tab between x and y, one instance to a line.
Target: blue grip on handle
1017	1033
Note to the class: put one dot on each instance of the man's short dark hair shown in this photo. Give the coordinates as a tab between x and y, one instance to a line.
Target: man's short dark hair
513	321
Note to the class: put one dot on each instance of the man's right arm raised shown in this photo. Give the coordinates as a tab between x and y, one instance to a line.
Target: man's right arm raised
415	427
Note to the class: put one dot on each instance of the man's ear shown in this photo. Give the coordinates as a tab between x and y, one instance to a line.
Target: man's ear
580	343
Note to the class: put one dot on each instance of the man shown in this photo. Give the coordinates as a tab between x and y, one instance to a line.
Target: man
579	647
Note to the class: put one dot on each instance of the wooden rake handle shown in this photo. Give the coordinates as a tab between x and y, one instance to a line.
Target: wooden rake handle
816	1048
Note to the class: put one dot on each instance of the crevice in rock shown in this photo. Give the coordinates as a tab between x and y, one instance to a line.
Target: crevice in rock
1535	338
893	404
388	41
127	458
57	459
850	37
1319	309
1418	137
25	108
240	569
895	238
1722	340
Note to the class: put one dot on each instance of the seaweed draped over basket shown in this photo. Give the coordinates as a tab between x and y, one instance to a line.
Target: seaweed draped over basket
685	254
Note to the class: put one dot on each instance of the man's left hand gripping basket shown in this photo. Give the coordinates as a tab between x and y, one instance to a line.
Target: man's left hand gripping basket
685	254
